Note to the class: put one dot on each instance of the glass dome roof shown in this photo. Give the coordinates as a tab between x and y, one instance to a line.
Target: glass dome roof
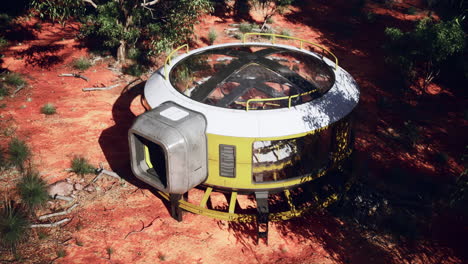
231	76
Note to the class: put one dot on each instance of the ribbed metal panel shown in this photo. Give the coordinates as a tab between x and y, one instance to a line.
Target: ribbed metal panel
227	161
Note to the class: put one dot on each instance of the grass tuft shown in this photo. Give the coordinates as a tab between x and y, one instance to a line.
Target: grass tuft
14	79
286	32
245	27
48	109
33	190
19	153
135	70
61	253
14	225
81	166
212	35
81	63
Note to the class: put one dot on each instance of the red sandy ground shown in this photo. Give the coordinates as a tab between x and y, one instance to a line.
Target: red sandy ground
94	125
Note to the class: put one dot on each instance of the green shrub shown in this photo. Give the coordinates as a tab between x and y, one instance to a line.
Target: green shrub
237	35
82	63
134	54
37	26
134	70
269	20
411	10
3	42
4	91
245	27
285	32
33	190
425	48
212	35
19	153
3	161
14	79
48	109
61	253
14	225
81	166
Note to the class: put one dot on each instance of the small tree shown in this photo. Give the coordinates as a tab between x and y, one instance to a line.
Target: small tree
268	8
425	48
122	24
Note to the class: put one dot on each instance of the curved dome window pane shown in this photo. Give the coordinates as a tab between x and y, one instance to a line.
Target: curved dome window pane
229	77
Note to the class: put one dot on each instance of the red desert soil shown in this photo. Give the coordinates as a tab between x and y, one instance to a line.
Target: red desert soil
94	125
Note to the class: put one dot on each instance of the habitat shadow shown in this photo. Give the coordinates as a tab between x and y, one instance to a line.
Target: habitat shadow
114	140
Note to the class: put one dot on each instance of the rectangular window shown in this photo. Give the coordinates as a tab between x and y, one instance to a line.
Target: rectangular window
277	160
227	161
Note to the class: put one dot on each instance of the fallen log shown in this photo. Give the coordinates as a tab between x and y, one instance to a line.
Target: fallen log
64	212
99	88
61	197
51	224
18	89
74	75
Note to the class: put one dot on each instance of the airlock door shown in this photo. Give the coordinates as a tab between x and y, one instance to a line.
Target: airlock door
168	148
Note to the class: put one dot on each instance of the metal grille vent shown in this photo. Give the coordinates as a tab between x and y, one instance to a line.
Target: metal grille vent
227	161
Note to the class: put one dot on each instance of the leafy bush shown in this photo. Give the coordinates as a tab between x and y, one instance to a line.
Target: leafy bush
81	166
13	79
19	153
48	109
245	27
3	42
3	161
425	48
134	70
4	91
14	225
121	25
212	35
411	10
82	63
61	253
286	32
269	20
33	190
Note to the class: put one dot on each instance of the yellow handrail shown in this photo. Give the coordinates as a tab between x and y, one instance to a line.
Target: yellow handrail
168	58
277	99
274	36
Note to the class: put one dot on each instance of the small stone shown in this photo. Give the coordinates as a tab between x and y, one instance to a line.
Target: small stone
89	188
60	188
78	186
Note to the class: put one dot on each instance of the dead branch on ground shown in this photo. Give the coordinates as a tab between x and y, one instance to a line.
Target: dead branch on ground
61	197
18	89
103	171
99	88
74	75
51	224
64	212
143	227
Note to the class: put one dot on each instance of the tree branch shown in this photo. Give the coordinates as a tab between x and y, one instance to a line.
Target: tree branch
52	224
64	212
90	2
145	4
